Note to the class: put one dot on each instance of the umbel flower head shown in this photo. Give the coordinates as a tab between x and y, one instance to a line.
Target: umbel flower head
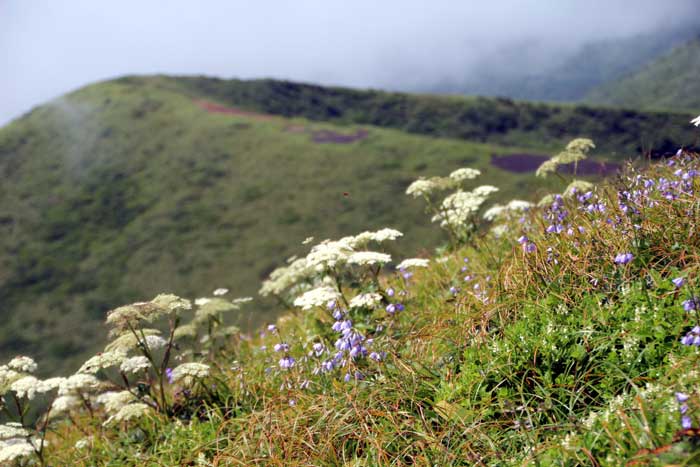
413	263
285	277
12	452
425	187
316	297
102	361
187	372
129	412
129	341
12	430
366	300
134	364
212	308
459	207
361	240
499	210
113	401
369	258
78	383
575	151
466	173
23	364
162	305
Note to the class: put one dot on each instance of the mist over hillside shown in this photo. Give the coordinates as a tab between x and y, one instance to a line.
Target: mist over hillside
525	49
516	72
669	82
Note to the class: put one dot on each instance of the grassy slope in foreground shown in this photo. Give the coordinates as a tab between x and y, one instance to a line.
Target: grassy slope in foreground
566	354
669	82
125	189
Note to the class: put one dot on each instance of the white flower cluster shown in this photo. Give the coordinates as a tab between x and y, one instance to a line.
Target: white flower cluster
27	386
7	377
22	364
319	296
162	305
78	383
213	308
128	340
368	258
12	430
134	364
188	371
499	210
102	361
285	277
422	187
64	404
327	255
366	300
460	175
15	450
575	151
413	263
129	412
459	207
360	240
114	401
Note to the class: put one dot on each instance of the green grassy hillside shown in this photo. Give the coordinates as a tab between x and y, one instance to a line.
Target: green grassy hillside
147	184
670	83
566	335
121	190
491	120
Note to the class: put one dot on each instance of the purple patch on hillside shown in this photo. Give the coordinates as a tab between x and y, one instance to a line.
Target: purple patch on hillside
525	163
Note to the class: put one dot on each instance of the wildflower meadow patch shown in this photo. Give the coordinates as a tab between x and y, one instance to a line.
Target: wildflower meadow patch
560	331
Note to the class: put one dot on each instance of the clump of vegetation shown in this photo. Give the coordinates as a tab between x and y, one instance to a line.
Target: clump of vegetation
578	345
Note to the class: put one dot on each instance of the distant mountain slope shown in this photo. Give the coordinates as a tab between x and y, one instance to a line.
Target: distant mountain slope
594	64
670	82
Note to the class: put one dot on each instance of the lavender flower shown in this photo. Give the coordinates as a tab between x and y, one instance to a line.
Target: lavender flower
281	347
686	421
691	304
692	337
287	362
678	282
623	258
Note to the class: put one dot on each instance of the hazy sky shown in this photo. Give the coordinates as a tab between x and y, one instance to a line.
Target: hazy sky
50	47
